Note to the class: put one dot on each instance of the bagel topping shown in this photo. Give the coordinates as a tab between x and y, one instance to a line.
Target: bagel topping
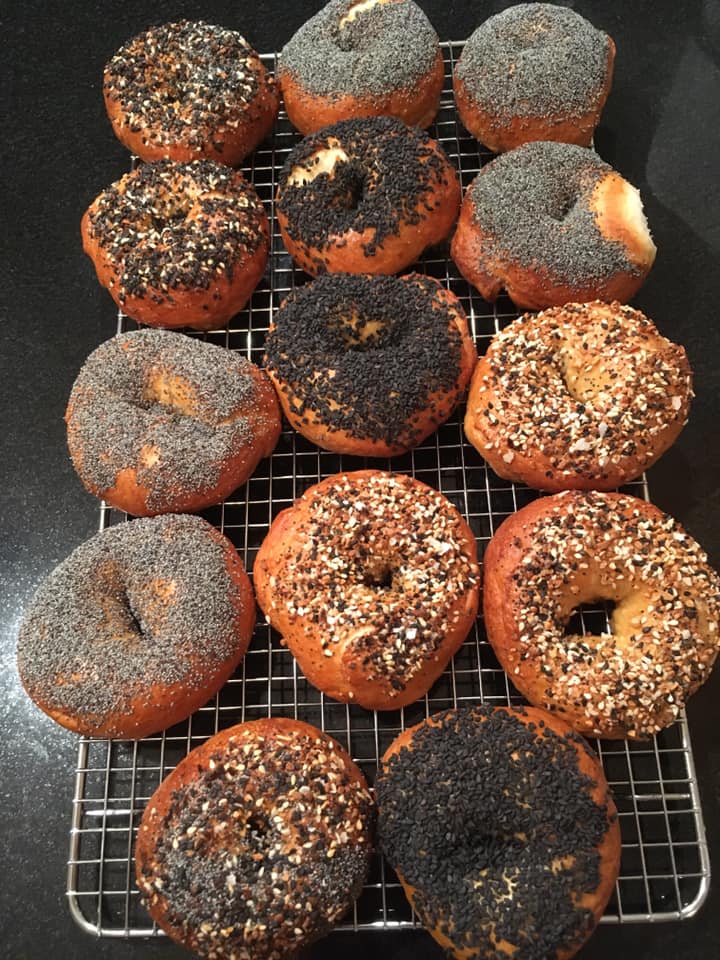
387	180
381	562
175	226
365	354
500	853
533	207
184	81
264	848
535	59
363	49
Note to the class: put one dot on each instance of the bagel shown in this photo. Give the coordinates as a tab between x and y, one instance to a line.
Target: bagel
257	842
503	832
584	396
178	244
369	366
188	91
372	581
137	628
551	223
574	548
365	196
362	58
535	71
159	422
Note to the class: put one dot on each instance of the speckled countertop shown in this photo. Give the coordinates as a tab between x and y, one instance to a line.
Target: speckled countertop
661	129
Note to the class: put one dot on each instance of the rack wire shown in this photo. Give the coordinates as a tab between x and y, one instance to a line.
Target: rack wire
665	869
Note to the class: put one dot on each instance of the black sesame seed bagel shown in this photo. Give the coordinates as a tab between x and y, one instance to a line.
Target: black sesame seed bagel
159	422
372	580
551	223
575	548
535	71
584	396
365	196
362	58
368	365
257	842
178	244
137	628
502	830
187	91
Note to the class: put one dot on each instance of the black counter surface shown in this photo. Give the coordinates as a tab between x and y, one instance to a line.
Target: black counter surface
661	129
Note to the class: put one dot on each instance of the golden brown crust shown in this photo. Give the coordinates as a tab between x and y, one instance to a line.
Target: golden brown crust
163	703
499	133
363	644
309	112
152	77
420	423
147	292
248	752
584	396
562	551
141	487
608	850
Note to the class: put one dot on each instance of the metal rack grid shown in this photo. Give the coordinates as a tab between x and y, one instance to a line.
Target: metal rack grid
665	868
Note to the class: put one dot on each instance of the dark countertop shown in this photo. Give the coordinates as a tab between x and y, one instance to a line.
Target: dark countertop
661	129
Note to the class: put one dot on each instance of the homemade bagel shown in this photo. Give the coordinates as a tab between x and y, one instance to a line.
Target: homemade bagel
137	628
584	396
573	548
257	842
159	422
372	580
551	223
178	244
367	365
187	91
503	832
535	71
362	58
365	196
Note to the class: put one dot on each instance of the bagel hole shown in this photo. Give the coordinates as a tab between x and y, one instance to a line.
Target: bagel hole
565	208
591	619
351	187
378	574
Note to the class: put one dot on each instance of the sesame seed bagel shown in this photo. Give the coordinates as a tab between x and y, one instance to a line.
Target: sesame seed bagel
584	396
575	548
178	244
137	628
365	196
372	580
257	842
362	58
503	832
535	71
551	223
159	422
187	91
369	365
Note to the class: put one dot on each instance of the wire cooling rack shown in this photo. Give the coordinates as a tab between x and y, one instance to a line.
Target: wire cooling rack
665	869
